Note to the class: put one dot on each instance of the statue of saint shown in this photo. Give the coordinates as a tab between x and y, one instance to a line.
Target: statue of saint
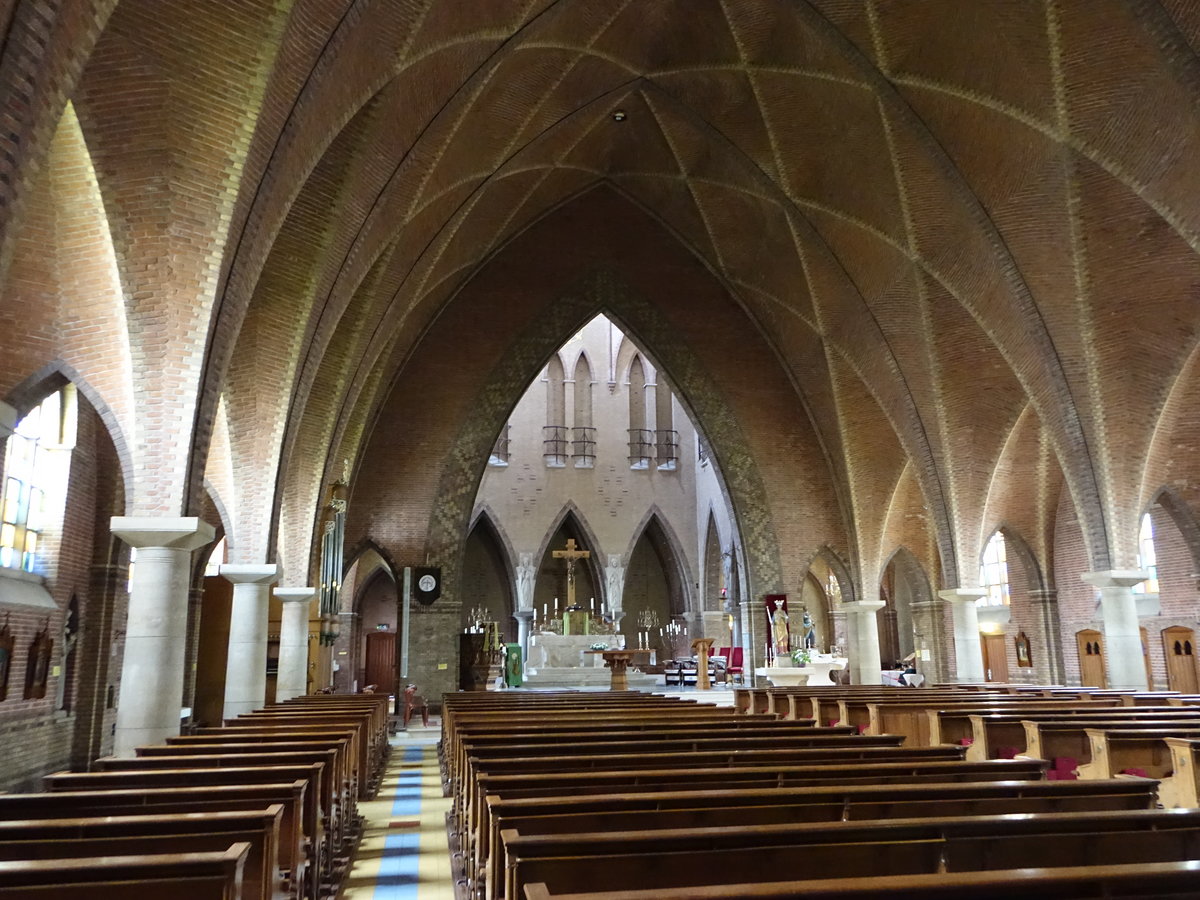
779	630
809	641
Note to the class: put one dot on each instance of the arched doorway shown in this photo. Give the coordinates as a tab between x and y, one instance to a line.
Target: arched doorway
377	607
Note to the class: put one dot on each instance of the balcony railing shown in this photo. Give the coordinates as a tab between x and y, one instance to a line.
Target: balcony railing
641	447
666	449
583	446
554	444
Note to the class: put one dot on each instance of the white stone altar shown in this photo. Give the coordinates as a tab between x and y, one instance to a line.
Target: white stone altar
818	671
562	661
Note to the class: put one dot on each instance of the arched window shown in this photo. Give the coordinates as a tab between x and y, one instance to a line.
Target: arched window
666	437
555	432
640	438
1147	560
36	468
993	573
583	437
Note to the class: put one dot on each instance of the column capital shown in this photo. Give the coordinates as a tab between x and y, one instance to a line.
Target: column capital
250	574
175	532
1110	578
952	595
862	606
295	594
523	613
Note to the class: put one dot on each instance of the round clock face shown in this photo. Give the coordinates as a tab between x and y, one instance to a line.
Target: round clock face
427	583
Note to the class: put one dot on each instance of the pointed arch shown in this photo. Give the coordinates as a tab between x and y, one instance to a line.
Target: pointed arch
1182	516
570	513
488	570
713	571
1018	548
604	291
54	375
582	412
486	517
370	545
655	526
841	572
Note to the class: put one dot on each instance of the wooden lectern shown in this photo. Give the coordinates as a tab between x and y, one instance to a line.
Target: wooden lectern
702	647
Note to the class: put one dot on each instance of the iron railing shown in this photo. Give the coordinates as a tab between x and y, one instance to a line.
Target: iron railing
554	444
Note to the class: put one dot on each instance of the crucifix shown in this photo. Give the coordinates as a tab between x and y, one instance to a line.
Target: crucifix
571	555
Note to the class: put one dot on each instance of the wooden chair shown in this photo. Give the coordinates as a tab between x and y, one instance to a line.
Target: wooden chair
734	663
414	702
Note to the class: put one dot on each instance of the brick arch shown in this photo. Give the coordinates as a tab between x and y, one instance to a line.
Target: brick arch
486	517
841	571
1182	516
602	291
52	376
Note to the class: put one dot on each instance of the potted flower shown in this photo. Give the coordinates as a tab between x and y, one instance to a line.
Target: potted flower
801	656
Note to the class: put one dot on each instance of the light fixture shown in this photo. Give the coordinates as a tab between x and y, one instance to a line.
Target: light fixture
618	115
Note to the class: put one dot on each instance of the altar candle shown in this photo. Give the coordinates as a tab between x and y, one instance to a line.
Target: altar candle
593	604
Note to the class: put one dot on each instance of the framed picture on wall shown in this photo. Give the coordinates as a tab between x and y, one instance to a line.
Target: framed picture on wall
6	655
37	668
1023	658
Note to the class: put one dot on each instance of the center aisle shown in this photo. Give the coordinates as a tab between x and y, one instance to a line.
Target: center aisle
403	854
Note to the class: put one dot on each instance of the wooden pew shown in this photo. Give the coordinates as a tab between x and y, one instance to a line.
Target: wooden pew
142	835
289	797
705	856
312	822
999	735
579	783
333	753
359	751
1146	881
1181	789
732	810
927	724
1133	751
179	876
1059	740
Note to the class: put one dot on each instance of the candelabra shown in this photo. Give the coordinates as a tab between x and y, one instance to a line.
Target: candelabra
646	620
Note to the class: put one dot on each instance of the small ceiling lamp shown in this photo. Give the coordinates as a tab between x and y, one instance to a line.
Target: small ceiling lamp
618	115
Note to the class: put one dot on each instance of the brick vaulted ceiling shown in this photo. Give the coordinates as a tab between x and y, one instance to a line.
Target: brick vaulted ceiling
966	229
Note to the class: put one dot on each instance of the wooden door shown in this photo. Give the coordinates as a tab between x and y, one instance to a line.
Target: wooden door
381	661
1091	658
1179	647
995	657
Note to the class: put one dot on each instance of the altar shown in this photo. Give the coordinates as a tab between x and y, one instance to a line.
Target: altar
573	661
819	670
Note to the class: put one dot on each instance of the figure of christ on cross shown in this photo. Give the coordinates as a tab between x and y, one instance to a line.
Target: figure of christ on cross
571	555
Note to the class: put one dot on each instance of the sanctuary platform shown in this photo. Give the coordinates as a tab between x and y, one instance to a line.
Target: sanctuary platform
563	661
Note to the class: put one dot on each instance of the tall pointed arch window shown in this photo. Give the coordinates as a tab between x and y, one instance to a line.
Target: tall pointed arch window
36	468
583	435
641	438
554	433
666	438
1147	557
993	572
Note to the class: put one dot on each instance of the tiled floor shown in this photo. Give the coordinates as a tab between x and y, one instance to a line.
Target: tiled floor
403	853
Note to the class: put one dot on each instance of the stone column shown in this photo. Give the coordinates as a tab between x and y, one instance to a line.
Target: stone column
292	680
929	640
195	601
1122	639
864	641
524	619
1045	645
968	652
156	630
246	664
